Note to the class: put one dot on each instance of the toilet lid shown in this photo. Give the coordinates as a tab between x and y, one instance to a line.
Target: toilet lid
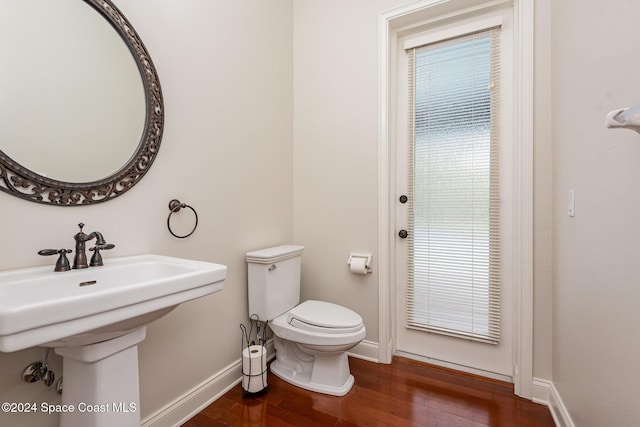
324	317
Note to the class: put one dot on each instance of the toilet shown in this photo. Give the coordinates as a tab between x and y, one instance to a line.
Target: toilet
311	338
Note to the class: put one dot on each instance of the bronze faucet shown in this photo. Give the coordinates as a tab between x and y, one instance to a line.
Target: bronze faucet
80	257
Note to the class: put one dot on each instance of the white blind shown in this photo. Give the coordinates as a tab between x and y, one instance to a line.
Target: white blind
454	245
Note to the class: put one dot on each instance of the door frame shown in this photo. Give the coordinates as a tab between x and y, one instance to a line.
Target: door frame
398	22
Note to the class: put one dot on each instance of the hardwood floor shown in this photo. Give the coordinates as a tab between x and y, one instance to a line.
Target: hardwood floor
404	393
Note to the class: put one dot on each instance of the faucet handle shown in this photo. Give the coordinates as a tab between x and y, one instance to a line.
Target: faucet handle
104	247
47	252
96	258
62	264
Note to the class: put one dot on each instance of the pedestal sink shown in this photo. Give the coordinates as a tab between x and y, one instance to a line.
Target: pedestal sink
95	319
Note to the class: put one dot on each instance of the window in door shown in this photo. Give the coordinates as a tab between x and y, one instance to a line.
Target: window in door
454	253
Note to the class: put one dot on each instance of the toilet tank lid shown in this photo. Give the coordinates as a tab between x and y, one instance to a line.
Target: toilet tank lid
274	254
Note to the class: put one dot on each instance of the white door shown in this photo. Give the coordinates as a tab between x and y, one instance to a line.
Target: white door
437	264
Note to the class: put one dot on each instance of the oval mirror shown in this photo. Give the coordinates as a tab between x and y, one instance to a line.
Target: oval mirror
81	109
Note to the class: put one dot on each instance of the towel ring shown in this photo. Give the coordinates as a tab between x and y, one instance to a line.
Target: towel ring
175	206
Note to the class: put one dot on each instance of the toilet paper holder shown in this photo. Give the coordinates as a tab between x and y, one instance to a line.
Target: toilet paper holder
367	258
254	360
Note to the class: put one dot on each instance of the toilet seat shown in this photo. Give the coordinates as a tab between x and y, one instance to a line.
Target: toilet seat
324	317
302	325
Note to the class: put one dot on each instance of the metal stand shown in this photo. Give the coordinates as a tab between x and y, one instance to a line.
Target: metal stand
249	376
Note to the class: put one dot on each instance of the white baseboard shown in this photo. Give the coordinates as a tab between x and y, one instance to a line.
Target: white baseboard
559	411
541	391
192	402
544	392
367	350
186	406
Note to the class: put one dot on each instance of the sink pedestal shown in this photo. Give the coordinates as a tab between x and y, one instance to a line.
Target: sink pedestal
101	383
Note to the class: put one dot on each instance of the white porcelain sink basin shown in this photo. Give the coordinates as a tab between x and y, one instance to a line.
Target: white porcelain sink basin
41	307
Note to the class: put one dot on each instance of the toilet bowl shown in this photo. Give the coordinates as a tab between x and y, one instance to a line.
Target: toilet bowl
311	338
312	341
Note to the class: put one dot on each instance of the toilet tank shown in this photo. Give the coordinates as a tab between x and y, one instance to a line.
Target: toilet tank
274	280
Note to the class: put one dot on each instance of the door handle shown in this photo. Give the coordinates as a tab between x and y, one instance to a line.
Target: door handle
403	234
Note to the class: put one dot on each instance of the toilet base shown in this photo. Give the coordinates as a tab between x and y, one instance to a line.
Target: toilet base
303	380
311	369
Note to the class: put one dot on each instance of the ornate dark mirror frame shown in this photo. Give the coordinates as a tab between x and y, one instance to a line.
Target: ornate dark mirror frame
21	182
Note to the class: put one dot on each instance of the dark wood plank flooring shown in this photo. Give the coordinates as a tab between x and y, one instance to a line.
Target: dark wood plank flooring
404	393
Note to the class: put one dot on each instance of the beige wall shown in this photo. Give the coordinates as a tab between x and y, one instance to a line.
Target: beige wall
542	195
335	149
596	271
226	71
